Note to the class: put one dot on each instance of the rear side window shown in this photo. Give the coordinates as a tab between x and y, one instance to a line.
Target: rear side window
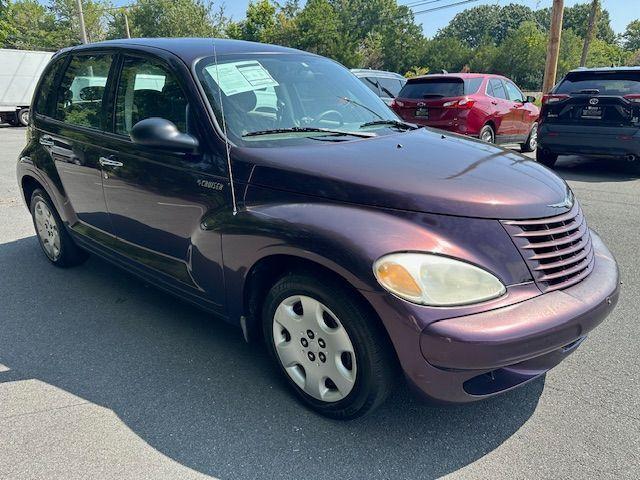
390	86
471	85
606	83
82	90
433	88
44	102
495	89
147	89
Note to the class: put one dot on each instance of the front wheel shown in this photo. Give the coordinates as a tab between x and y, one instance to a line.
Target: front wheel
532	140
335	357
546	157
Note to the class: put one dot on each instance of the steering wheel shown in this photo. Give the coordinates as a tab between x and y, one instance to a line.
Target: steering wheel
328	113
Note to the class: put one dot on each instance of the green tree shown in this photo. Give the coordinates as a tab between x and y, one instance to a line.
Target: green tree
172	18
318	27
521	56
447	53
28	25
474	25
631	36
67	23
576	18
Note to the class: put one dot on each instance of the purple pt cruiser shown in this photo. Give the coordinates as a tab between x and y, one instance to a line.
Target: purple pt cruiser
274	190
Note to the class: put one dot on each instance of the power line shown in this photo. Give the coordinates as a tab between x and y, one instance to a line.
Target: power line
441	7
419	3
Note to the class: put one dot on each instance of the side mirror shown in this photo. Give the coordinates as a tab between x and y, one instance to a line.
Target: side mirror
161	133
530	99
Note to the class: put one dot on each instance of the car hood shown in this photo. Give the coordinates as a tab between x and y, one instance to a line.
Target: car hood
422	170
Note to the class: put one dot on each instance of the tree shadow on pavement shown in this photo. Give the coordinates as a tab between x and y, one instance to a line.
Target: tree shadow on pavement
192	389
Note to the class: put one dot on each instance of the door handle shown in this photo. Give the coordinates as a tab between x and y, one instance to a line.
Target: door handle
46	140
494	102
110	162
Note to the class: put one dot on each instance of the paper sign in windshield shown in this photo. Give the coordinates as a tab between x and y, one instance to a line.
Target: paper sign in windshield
238	77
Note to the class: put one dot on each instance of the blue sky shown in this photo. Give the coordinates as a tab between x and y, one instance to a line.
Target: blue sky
620	11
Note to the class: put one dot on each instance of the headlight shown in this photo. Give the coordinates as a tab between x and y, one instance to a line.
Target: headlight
435	280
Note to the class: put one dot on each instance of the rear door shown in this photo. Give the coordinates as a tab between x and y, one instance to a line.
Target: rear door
505	114
75	134
597	98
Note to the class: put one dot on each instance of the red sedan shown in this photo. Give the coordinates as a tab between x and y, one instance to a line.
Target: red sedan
490	107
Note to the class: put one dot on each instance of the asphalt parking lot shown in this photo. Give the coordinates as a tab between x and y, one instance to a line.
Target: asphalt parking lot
102	376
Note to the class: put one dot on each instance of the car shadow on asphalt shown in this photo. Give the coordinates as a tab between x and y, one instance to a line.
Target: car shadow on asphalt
596	170
191	388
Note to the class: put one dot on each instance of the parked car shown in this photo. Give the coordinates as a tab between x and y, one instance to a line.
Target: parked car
592	112
386	85
489	107
19	75
271	188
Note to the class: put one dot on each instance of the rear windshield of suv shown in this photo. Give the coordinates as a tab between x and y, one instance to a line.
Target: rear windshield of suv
606	83
440	87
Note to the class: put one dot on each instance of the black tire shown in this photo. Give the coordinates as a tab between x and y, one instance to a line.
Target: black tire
374	353
69	253
532	140
546	157
23	117
487	134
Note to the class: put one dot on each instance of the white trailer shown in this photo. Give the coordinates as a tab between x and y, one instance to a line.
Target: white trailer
20	71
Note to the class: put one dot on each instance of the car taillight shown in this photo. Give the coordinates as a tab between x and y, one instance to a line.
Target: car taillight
547	99
635	98
396	103
462	103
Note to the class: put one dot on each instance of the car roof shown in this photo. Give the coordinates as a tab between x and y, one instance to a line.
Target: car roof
605	69
190	49
377	73
454	75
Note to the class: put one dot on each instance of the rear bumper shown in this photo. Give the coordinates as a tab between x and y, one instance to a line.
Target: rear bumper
589	140
463	359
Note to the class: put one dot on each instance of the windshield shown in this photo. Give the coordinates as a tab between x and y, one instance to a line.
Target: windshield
439	87
290	99
606	83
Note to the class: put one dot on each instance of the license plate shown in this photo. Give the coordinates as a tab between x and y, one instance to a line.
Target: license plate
592	112
422	112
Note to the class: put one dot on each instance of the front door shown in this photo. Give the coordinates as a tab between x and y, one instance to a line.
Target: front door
516	96
158	199
504	112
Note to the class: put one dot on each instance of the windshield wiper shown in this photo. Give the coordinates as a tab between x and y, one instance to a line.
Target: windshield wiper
275	131
395	123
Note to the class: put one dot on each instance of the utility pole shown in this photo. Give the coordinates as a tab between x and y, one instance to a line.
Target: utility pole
553	50
126	24
83	31
588	38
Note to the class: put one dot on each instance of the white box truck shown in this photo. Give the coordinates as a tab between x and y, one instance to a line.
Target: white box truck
20	71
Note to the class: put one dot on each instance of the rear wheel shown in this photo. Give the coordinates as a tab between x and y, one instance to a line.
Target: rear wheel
532	141
487	134
54	239
546	157
331	352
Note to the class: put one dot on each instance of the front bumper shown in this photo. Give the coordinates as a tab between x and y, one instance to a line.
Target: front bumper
589	140
467	358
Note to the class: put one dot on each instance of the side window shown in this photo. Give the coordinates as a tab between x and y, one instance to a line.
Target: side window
372	83
81	91
147	89
45	97
390	87
496	89
514	92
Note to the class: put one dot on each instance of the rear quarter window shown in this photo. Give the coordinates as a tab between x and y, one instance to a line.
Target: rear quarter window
606	83
45	98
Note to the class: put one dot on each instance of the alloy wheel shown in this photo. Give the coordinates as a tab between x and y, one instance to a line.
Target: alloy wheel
314	348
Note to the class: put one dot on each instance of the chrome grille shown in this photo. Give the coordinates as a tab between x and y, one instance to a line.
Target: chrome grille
557	249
